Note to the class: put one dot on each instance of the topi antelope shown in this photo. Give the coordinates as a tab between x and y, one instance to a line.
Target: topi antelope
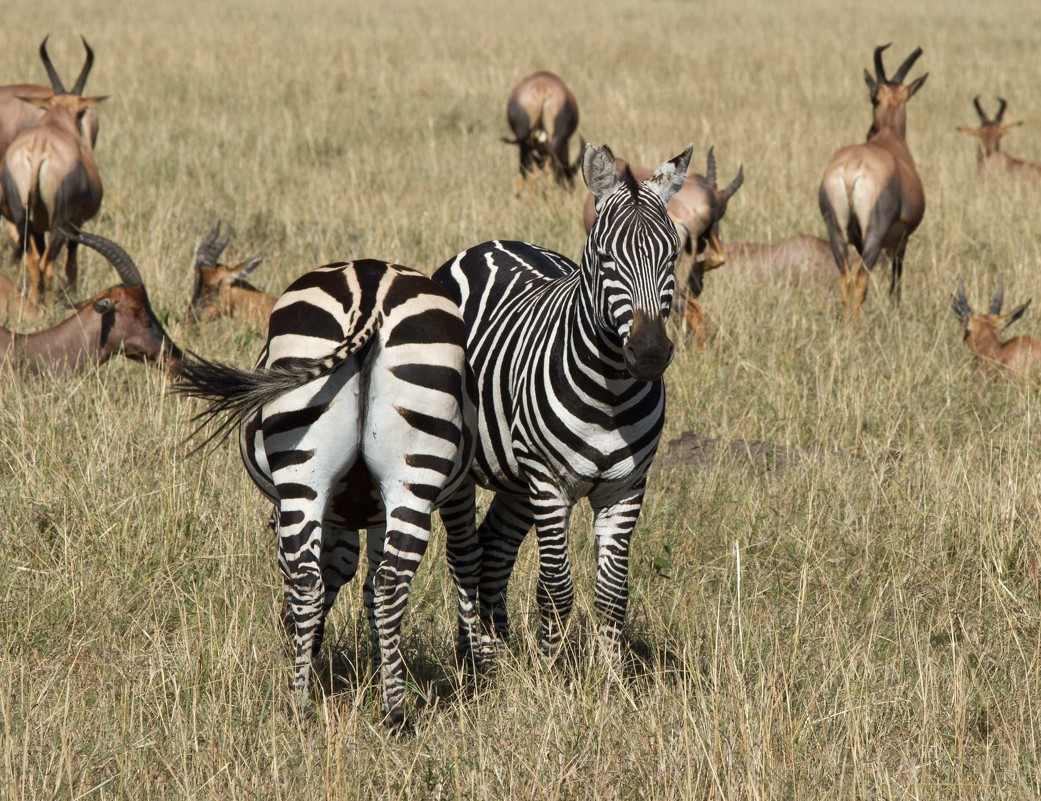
116	320
221	290
988	155
543	114
50	179
871	195
696	210
787	260
982	333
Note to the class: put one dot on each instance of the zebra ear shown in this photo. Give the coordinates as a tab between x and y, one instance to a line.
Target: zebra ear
669	177
598	170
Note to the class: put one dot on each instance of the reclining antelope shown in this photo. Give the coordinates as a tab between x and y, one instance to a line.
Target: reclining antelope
871	196
989	157
221	290
49	177
116	320
543	114
788	260
982	333
696	210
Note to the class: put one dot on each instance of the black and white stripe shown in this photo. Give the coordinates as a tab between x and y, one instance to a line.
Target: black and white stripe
359	415
569	361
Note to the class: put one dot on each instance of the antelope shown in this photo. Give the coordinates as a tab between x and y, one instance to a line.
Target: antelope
981	332
988	154
50	179
543	114
695	210
871	195
116	320
221	290
13	305
788	259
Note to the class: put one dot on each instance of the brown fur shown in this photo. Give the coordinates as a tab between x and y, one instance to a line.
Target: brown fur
982	333
543	115
989	157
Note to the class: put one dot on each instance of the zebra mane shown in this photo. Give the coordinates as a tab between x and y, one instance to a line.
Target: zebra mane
631	183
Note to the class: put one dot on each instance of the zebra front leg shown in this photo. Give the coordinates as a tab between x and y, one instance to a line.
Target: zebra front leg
555	591
614	522
465	557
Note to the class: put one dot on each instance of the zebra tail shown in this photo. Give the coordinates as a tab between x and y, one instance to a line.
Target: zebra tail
233	394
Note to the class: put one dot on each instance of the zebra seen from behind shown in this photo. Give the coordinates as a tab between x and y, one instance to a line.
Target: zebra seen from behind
359	415
569	362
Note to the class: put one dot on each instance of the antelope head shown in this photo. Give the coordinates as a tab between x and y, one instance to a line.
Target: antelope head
215	282
70	102
889	96
708	242
980	327
990	131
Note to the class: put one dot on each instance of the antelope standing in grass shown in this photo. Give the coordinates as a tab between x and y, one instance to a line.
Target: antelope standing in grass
221	290
50	179
871	196
787	260
116	320
543	114
988	154
982	333
696	210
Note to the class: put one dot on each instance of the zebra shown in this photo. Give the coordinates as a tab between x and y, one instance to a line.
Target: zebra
569	361
360	414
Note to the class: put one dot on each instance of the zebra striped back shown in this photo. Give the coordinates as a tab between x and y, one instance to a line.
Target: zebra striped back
568	361
359	415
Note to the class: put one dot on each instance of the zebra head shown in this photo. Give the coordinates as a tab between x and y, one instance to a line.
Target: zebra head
631	251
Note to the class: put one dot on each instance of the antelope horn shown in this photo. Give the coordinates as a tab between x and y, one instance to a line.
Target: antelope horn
710	167
735	184
81	81
56	84
999	298
906	66
880	71
115	255
984	119
960	305
1001	109
212	246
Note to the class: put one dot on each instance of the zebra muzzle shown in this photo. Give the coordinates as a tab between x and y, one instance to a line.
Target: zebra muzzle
648	350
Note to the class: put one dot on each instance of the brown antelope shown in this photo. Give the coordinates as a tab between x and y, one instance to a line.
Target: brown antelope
50	179
696	210
116	320
543	114
989	157
871	195
221	290
787	260
982	333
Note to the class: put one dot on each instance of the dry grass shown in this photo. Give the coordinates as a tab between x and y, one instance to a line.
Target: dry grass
866	623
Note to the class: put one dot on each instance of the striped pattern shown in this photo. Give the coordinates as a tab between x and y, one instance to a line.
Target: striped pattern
568	361
360	415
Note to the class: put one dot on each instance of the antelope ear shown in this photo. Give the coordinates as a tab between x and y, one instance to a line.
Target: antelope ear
915	85
247	268
1015	314
39	102
970	131
93	101
598	170
669	177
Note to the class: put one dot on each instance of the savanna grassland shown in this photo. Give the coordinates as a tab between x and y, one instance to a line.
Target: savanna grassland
863	623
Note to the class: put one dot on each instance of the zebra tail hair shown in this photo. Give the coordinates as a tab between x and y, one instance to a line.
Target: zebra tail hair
233	394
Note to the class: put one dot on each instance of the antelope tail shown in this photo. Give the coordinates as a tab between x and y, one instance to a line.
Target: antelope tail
233	394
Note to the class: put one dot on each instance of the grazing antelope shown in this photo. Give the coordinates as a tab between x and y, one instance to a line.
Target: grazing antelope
116	320
982	333
696	210
871	195
50	179
221	290
543	114
13	305
988	154
787	260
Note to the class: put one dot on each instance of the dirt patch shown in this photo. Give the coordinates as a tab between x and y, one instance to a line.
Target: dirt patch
694	452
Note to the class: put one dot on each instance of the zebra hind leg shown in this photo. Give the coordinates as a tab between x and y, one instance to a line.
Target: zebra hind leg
464	554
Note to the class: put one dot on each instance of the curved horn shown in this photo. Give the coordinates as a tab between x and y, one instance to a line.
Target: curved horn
906	66
880	71
81	81
984	119
960	304
116	256
56	84
1001	109
710	167
735	184
999	298
212	246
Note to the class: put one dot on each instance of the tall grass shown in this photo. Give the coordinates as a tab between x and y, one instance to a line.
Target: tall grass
864	623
